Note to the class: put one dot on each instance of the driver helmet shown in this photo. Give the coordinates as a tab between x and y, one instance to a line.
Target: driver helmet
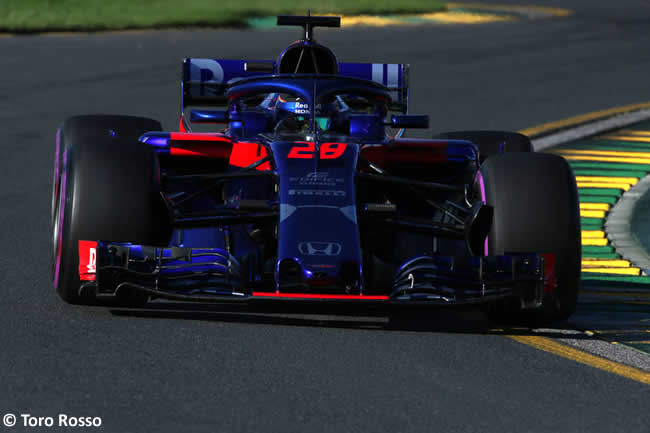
298	107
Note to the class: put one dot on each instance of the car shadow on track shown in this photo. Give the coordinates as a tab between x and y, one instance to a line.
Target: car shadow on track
434	320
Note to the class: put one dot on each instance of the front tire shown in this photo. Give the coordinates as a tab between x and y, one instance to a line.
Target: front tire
95	125
536	209
108	190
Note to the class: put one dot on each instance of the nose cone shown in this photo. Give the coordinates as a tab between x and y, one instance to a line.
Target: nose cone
318	235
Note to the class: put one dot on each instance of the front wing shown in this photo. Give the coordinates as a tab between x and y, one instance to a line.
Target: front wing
213	275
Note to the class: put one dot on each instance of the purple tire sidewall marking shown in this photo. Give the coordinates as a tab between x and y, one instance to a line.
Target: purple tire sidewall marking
56	158
57	266
479	177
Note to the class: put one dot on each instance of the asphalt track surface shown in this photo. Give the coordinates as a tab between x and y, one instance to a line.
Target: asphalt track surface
215	368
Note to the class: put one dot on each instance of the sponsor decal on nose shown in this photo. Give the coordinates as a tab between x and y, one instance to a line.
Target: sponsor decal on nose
320	248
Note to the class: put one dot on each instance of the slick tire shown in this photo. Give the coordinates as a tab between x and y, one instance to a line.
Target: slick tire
93	125
107	190
492	142
536	209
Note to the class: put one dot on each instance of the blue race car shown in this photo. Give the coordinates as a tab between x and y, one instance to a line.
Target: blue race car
309	192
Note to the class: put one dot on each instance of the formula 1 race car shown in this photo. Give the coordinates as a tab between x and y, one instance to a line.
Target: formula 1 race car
303	195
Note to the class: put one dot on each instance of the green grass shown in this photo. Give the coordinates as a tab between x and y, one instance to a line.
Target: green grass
97	15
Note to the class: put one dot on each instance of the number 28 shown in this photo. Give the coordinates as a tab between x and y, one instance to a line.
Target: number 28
307	150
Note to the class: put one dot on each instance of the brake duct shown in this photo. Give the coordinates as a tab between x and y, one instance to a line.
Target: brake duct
477	227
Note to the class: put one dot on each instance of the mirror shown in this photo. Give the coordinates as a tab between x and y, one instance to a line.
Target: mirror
208	116
409	121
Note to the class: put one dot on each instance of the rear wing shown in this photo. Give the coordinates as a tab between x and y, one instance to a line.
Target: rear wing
205	80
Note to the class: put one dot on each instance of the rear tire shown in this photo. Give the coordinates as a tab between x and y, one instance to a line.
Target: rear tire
536	209
107	190
492	142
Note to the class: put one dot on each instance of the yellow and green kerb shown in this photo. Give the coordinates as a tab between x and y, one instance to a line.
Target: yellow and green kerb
606	166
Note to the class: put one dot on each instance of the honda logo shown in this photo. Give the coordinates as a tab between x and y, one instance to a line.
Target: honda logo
319	248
